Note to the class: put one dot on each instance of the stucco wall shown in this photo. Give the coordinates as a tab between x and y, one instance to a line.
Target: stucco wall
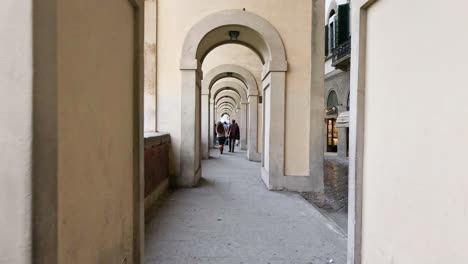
150	66
95	131
293	22
338	82
16	131
415	177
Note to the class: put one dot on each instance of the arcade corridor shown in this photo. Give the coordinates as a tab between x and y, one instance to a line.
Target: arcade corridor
232	218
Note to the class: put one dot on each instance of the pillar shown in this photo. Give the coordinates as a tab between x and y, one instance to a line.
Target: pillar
252	153
243	125
212	121
190	165
342	142
205	118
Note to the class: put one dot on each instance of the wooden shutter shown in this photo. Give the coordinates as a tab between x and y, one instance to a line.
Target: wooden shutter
342	27
326	40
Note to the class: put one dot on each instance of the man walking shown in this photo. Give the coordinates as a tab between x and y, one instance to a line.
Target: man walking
234	133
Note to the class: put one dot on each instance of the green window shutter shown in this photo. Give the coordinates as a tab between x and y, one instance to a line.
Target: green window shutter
342	27
326	40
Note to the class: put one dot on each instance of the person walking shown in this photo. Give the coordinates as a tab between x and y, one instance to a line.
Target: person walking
221	135
234	134
226	128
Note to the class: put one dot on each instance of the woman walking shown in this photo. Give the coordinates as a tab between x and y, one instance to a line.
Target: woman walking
221	134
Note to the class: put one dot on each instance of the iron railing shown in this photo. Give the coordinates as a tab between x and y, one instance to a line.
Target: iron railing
342	52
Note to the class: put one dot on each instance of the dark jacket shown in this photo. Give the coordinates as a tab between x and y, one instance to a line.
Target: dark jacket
234	131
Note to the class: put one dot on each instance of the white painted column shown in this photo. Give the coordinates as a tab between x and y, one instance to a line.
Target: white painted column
16	133
252	137
150	66
205	129
274	114
212	123
243	126
190	165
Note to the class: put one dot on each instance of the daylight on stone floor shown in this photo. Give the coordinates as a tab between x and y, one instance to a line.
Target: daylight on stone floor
233	132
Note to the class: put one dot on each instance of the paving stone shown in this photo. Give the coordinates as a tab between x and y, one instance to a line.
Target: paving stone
232	218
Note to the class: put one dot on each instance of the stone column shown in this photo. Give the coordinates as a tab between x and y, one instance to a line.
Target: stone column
342	142
243	126
190	165
252	153
205	118
273	141
212	123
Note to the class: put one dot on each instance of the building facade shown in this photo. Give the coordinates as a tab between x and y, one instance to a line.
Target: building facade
337	81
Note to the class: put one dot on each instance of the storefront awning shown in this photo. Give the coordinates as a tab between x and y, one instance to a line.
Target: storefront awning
343	119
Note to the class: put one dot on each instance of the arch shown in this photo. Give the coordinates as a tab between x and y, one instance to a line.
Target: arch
227	92
258	34
226	109
222	86
332	99
234	71
226	98
228	102
226	106
212	82
331	10
212	31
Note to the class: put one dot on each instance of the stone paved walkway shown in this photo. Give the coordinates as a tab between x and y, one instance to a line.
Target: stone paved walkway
232	218
335	204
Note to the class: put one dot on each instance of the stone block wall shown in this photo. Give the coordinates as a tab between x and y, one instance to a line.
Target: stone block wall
157	147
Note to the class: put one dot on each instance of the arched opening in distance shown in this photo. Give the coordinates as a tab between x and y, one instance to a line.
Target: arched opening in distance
213	81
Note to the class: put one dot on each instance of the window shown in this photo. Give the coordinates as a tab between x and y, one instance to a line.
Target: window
331	32
330	29
332	99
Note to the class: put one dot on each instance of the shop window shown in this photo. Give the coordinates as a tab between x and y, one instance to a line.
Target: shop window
332	135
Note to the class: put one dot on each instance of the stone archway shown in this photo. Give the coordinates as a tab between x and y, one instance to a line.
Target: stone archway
227	100
245	123
230	94
259	35
251	103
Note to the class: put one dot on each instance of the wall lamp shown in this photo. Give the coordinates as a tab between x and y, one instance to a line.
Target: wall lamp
234	34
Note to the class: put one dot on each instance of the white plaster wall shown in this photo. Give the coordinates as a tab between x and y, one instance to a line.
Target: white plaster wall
328	66
150	66
16	131
291	19
415	180
95	41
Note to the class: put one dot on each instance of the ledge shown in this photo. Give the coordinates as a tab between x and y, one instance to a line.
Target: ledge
156	138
